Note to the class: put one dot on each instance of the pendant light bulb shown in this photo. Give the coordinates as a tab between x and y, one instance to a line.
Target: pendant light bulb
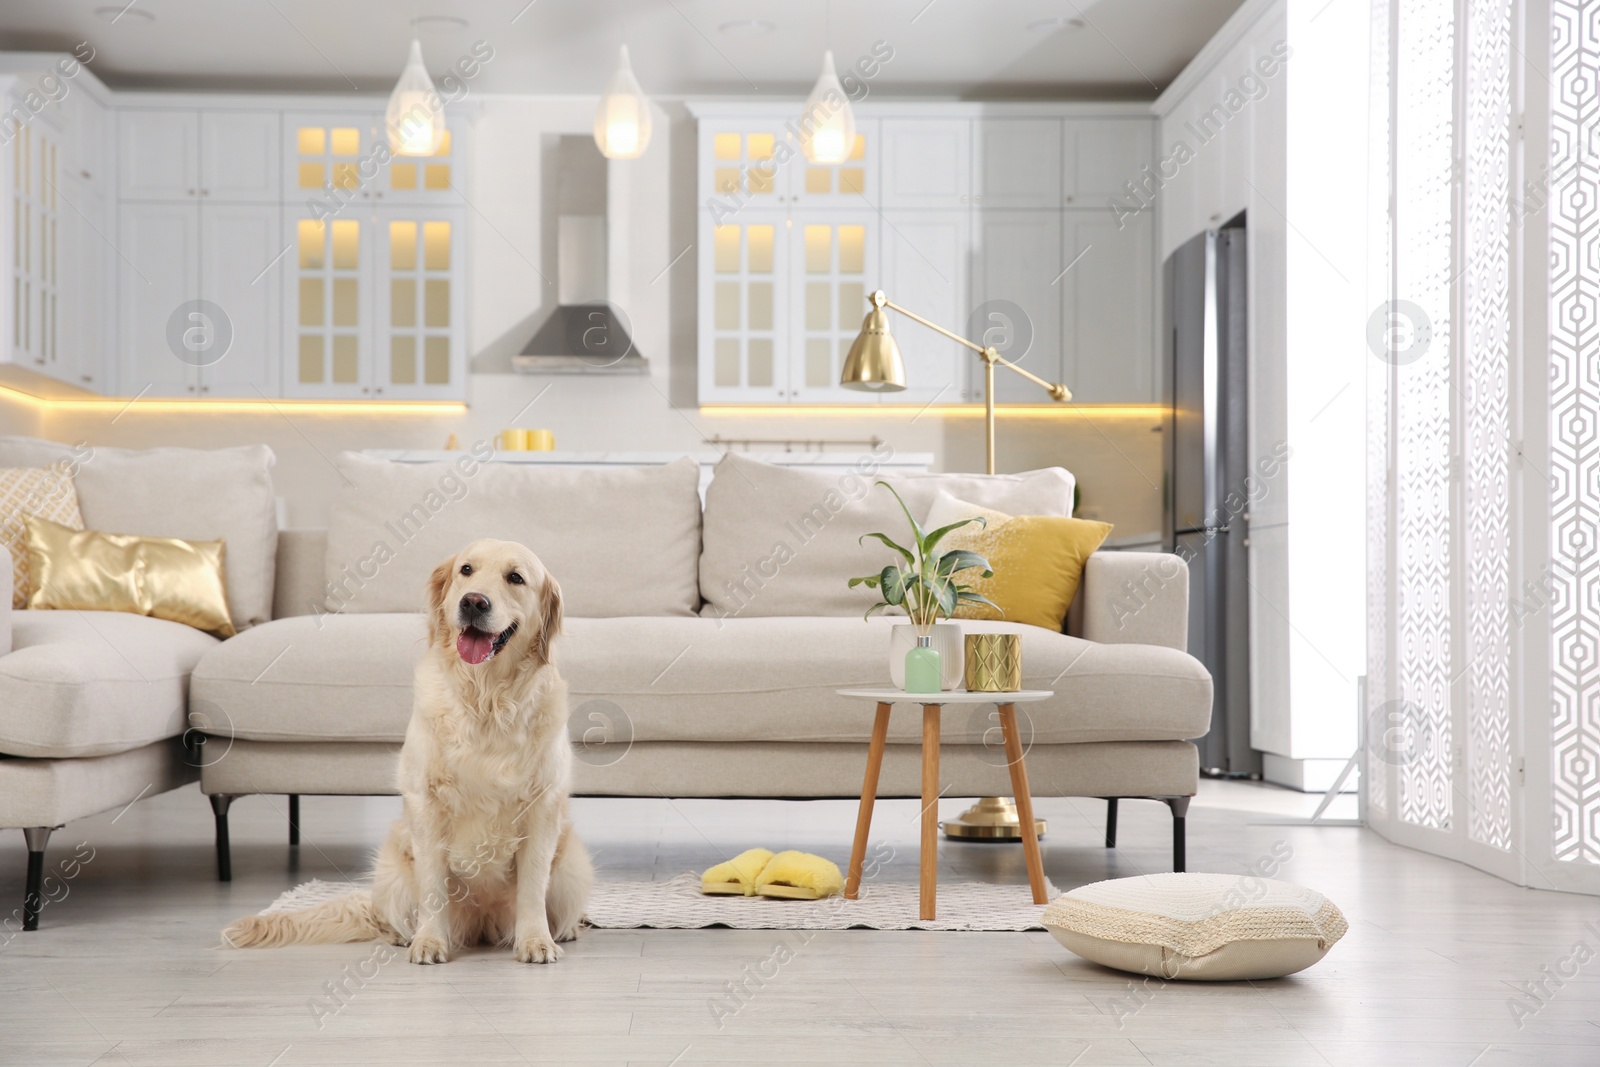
827	125
415	116
622	121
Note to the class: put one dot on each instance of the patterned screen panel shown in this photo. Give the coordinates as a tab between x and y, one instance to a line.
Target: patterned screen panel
1424	172
1486	416
1574	401
1375	772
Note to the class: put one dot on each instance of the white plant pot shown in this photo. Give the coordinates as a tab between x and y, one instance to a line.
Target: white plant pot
946	641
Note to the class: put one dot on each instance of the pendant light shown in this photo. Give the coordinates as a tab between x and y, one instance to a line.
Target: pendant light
622	121
415	117
827	125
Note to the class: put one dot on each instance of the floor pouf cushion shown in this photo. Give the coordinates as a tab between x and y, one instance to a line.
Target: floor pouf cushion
1201	927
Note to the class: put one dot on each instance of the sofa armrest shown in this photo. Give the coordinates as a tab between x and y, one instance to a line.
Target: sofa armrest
5	602
1136	598
299	585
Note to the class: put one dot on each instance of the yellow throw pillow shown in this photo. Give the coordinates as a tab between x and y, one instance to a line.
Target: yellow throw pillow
85	570
47	492
1037	560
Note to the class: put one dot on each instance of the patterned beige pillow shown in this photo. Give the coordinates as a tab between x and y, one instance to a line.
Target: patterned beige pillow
1200	927
47	492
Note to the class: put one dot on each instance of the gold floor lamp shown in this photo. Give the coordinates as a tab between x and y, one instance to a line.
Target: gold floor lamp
874	365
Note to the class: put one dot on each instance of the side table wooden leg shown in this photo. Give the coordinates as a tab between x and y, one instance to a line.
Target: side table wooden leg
869	794
930	811
1019	786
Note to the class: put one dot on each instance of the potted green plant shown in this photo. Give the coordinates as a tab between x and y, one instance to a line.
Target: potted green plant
924	586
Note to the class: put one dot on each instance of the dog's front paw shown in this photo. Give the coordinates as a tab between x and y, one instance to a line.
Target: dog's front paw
538	949
428	949
569	933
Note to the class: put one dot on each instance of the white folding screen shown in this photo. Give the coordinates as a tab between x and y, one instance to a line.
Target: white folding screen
1484	435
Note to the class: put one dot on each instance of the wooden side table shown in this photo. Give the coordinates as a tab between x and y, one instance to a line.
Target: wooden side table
931	703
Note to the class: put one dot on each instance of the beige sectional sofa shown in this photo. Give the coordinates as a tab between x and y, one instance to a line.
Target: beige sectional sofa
703	645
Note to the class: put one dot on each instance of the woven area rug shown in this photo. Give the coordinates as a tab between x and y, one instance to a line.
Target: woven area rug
679	905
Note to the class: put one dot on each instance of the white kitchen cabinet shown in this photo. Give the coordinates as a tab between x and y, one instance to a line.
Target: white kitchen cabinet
924	270
1108	330
1100	156
335	159
1017	288
35	221
86	347
926	162
239	153
175	255
420	306
832	256
159	273
374	306
221	154
747	276
1016	162
239	246
159	154
853	183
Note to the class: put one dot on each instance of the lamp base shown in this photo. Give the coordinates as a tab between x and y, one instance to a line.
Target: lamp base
990	819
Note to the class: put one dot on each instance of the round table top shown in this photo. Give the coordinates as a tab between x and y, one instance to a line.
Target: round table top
889	695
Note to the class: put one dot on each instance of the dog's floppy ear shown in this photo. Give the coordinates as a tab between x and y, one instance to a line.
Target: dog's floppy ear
438	583
550	611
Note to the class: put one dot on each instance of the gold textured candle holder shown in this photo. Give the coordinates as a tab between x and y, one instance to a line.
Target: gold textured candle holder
994	663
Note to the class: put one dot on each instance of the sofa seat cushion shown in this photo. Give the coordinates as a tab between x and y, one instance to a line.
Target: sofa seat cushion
90	683
688	679
312	678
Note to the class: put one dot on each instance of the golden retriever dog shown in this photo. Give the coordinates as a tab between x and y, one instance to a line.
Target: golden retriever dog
483	852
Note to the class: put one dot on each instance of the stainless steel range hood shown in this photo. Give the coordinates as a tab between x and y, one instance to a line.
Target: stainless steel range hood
588	332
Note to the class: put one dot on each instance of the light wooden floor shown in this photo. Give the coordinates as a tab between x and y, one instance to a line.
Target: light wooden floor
127	968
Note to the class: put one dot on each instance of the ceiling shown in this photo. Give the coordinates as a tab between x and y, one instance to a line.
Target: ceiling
973	49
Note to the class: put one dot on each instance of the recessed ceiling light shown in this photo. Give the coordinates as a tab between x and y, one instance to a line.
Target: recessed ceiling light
124	13
748	27
1051	25
438	22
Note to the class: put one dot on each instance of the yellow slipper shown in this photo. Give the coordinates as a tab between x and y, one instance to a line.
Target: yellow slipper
737	877
799	876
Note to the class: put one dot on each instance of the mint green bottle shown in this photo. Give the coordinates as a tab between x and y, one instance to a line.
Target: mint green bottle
924	674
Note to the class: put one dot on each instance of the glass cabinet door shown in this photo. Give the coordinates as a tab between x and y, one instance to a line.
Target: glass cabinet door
330	162
853	183
743	307
327	310
741	165
435	179
420	304
834	265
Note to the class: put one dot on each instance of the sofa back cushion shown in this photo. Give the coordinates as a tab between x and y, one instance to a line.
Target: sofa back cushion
190	493
621	540
785	541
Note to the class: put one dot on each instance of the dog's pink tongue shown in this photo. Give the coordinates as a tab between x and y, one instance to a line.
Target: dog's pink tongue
474	646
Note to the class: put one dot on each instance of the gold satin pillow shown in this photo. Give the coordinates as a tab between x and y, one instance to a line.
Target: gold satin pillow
85	570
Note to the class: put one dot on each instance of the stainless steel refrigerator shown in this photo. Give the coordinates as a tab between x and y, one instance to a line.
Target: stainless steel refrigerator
1205	331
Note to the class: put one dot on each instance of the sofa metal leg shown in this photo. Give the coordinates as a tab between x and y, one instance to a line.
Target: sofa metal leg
294	818
219	808
1180	819
1111	822
33	895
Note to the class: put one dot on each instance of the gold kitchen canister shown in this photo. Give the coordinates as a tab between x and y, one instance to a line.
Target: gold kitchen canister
994	663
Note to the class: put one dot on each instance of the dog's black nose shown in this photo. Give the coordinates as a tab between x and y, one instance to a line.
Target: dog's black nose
475	604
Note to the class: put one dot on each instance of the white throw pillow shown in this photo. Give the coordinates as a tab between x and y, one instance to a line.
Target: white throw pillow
1200	927
784	541
191	493
621	540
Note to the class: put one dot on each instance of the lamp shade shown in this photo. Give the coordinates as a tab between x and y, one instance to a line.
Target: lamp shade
622	121
874	364
827	125
415	116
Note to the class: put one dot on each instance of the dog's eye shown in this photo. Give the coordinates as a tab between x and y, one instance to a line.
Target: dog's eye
514	578
466	568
